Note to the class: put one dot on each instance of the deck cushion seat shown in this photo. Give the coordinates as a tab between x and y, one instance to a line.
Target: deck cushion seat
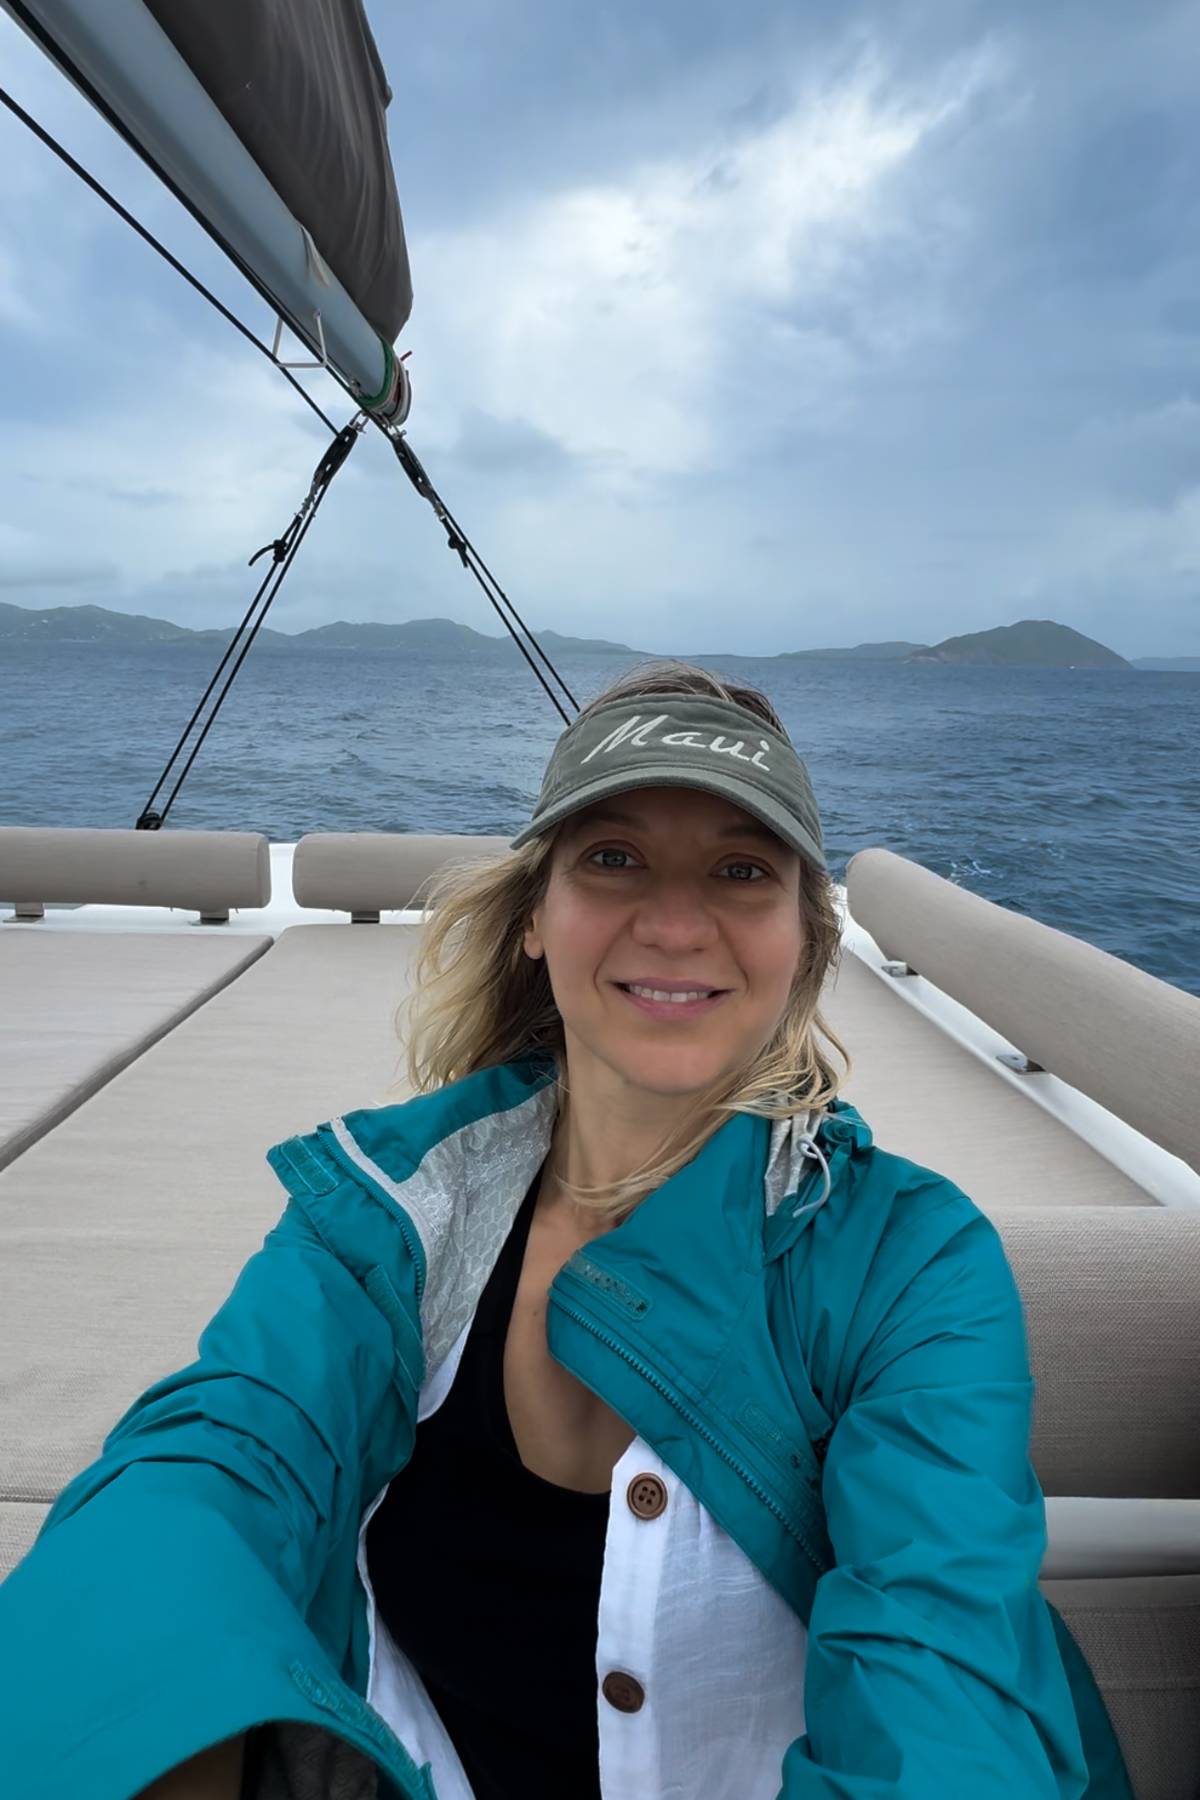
1141	1638
928	1097
20	1522
77	1006
122	1231
1127	1040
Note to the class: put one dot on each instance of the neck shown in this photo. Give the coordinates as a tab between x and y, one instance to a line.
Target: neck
603	1137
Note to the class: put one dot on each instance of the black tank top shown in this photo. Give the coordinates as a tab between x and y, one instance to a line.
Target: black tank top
488	1578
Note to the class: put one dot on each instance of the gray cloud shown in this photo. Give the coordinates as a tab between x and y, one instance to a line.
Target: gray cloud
31	578
508	447
855	319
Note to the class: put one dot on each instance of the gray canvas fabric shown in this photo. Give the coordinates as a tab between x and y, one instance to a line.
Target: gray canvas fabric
1110	1307
20	1522
931	1099
378	871
1141	1638
303	87
207	871
76	1007
123	1230
1128	1041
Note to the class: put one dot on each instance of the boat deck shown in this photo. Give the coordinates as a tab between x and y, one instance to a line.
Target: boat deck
154	1059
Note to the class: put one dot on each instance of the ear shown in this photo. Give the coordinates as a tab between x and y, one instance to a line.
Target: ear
532	939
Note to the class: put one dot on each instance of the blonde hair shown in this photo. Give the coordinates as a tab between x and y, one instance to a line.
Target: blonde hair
478	999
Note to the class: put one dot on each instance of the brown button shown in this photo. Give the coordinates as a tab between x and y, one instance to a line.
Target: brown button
647	1496
623	1692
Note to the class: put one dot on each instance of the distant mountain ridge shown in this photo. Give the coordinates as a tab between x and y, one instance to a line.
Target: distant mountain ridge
893	650
1030	643
99	625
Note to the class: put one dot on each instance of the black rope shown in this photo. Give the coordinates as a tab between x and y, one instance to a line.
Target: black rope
459	542
148	237
283	551
456	537
480	570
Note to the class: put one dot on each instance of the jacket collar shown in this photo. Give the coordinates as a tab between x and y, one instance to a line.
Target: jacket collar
795	1162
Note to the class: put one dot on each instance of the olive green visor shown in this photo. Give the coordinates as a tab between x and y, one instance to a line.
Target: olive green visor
680	740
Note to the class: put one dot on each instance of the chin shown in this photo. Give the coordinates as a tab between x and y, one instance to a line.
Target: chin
670	1073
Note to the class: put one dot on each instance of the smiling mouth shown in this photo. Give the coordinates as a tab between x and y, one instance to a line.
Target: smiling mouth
682	998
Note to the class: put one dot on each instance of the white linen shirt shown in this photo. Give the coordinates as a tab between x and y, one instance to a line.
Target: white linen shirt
718	1654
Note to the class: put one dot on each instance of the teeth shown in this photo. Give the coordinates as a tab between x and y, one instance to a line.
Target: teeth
658	994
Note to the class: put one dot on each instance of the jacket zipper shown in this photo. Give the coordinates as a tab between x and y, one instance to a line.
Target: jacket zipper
697	1424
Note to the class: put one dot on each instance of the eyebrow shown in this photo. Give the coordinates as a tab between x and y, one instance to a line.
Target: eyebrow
752	828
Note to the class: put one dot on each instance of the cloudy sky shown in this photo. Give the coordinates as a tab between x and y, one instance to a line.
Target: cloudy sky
736	328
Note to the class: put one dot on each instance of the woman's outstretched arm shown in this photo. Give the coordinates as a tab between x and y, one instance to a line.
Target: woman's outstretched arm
168	1604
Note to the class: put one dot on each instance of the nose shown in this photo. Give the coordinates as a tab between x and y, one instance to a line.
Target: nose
673	917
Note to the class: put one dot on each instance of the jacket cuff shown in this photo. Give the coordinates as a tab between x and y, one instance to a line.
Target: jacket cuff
142	1630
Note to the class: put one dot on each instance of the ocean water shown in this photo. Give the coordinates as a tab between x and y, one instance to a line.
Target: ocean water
1070	795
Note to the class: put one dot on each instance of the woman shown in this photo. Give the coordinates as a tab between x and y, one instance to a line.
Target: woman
611	1419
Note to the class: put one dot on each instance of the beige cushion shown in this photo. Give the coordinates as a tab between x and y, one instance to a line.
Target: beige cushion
122	1231
210	871
1110	1298
1128	1041
20	1522
929	1098
373	872
1141	1639
77	1006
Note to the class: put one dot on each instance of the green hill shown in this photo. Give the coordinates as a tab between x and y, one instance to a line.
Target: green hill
1030	644
1033	643
99	625
413	634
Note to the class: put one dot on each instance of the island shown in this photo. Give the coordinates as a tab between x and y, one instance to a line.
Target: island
1029	644
101	625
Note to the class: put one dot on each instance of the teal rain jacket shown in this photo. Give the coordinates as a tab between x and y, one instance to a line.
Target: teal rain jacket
836	1369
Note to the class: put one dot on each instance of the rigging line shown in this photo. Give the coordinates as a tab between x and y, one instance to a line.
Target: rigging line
516	615
148	819
284	551
76	75
550	695
457	538
459	542
148	237
279	574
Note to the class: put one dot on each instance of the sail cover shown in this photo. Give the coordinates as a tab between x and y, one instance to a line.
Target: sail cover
302	84
267	118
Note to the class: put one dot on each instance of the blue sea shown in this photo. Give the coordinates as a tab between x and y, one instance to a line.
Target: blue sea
1071	795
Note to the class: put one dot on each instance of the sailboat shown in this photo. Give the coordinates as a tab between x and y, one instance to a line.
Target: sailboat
174	1001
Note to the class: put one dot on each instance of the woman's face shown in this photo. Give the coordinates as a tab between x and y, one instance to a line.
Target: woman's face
667	889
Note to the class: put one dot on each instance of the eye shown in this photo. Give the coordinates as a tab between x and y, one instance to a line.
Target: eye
607	850
746	865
